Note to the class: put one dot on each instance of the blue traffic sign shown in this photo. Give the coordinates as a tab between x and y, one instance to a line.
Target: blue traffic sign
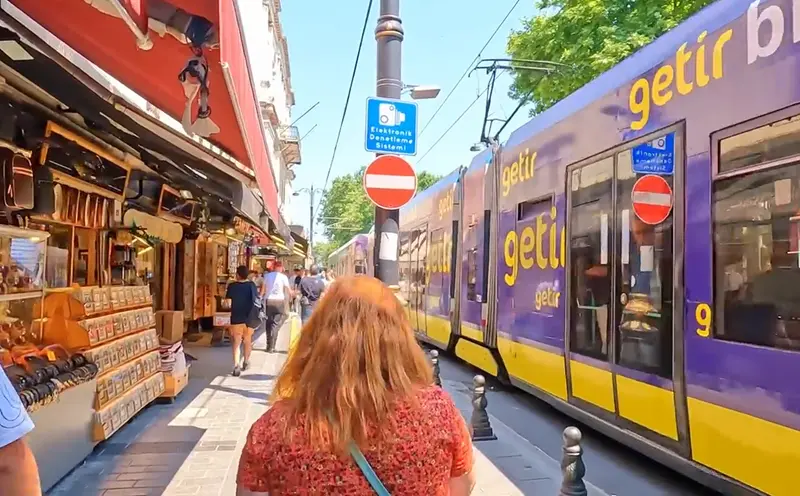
655	157
391	126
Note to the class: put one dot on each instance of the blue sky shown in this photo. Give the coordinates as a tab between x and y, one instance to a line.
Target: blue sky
441	38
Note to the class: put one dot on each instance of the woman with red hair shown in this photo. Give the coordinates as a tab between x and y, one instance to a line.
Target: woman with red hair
354	410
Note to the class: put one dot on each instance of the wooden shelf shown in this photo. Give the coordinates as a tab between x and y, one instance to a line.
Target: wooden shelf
110	356
115	414
116	382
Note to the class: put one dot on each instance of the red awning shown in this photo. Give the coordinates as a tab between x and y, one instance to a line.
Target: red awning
110	44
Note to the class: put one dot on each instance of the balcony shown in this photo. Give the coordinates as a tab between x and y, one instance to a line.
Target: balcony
269	113
290	145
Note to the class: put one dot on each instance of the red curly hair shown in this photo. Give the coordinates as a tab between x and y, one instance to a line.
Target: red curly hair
355	357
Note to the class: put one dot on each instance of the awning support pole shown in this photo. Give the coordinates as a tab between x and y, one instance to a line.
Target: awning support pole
143	40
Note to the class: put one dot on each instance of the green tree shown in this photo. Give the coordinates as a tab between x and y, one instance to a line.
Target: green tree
322	250
589	37
346	211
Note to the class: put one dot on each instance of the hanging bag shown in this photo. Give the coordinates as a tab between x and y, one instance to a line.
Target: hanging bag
254	319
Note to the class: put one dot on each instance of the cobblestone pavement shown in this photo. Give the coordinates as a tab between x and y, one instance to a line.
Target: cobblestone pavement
191	446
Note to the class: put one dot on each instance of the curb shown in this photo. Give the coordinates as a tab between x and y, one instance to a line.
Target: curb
532	454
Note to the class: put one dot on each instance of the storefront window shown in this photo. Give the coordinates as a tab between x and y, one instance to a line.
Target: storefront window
57	271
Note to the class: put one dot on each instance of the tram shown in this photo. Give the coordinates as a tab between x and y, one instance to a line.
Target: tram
350	258
632	255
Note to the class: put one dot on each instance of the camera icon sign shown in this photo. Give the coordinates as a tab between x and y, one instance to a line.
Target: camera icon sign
388	115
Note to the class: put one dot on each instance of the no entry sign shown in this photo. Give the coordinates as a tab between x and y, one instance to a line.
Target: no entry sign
390	182
652	199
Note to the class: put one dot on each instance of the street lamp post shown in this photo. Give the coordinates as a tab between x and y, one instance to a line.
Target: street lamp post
389	38
311	193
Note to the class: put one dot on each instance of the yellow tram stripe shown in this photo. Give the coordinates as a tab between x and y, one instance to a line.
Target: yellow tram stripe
592	384
647	405
757	452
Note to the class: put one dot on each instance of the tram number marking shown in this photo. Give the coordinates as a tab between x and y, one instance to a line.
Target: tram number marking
702	315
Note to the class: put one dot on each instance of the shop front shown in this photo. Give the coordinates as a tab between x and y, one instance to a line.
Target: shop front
99	224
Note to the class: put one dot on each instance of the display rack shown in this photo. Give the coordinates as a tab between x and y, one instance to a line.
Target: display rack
115	328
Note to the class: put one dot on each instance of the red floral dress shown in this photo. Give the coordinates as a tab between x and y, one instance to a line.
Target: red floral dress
429	445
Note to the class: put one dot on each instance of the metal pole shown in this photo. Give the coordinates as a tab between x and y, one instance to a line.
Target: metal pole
389	37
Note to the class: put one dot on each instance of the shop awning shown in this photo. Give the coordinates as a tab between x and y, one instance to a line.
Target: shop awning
109	42
300	247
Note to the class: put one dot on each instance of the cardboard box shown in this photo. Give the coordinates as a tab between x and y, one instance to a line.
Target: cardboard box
174	383
169	325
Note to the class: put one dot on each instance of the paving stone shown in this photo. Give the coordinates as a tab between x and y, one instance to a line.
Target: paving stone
179	491
116	484
132	492
189	447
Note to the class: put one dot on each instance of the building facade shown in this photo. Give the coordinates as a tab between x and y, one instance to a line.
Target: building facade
269	59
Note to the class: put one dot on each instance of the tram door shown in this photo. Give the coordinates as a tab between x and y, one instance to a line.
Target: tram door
622	289
424	279
418	278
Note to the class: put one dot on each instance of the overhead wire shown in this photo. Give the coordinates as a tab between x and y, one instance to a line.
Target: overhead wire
469	67
452	126
346	102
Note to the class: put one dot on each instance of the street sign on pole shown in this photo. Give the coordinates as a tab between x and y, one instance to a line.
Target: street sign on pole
652	199
391	126
390	182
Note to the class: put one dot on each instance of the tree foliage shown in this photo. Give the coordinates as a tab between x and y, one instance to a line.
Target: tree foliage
590	37
322	250
346	211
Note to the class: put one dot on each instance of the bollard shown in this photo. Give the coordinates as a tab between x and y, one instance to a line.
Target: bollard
572	466
437	380
481	428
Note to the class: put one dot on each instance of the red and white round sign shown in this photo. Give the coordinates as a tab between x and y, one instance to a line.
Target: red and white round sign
390	182
652	199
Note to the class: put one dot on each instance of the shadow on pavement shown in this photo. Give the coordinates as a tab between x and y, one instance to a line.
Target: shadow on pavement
165	443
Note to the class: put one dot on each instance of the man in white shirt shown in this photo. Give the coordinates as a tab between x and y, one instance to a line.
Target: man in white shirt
19	475
279	294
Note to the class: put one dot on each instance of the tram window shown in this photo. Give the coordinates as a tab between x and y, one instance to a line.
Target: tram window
757	257
644	281
453	256
528	210
404	263
774	141
422	262
590	265
472	274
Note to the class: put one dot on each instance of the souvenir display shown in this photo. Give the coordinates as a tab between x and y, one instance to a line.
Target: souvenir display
115	328
37	372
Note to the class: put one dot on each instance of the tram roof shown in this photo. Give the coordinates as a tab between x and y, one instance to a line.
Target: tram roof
344	246
709	19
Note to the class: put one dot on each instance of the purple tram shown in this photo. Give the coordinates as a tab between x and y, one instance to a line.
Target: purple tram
350	258
632	255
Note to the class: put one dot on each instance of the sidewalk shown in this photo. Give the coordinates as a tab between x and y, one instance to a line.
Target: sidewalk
191	446
510	465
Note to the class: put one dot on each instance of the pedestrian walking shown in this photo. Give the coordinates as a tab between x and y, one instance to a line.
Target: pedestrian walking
311	288
19	475
299	273
244	317
279	295
355	399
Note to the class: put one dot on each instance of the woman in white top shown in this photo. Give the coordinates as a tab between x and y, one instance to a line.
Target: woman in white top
279	294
